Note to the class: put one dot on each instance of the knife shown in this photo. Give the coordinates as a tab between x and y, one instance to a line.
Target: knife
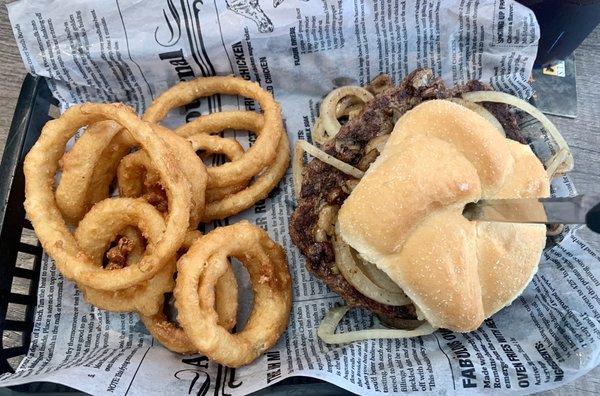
581	209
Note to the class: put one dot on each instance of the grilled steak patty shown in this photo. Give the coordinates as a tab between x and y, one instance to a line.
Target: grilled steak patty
324	185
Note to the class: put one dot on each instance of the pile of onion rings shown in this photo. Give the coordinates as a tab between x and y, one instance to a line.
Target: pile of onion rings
130	198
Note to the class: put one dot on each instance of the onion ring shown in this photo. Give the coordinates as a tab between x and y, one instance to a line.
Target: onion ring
262	152
94	235
328	111
168	333
195	294
326	330
231	148
219	193
227	201
41	164
78	189
214	123
106	169
223	201
138	242
259	189
134	166
198	129
171	335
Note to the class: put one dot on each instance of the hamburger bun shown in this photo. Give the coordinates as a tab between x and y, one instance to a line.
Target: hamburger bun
405	215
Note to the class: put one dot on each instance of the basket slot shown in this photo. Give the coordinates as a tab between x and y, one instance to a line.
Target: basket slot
29	237
20	285
14	338
25	261
15	311
24	273
15	351
30	249
15	325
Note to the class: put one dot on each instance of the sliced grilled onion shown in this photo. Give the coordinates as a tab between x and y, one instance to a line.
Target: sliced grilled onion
482	111
318	132
377	143
326	330
376	275
563	153
297	165
326	222
349	268
347	105
329	106
329	159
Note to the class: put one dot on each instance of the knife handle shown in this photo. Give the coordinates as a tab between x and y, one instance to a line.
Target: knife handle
592	218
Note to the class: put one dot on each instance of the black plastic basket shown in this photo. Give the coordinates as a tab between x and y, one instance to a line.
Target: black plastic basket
20	260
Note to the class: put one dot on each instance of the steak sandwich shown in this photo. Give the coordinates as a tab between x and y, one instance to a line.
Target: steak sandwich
395	241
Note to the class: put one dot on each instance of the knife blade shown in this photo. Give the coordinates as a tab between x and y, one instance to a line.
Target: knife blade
581	209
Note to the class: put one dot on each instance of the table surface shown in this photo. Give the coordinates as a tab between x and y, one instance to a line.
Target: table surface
581	133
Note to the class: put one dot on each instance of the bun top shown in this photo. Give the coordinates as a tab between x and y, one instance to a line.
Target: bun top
405	215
